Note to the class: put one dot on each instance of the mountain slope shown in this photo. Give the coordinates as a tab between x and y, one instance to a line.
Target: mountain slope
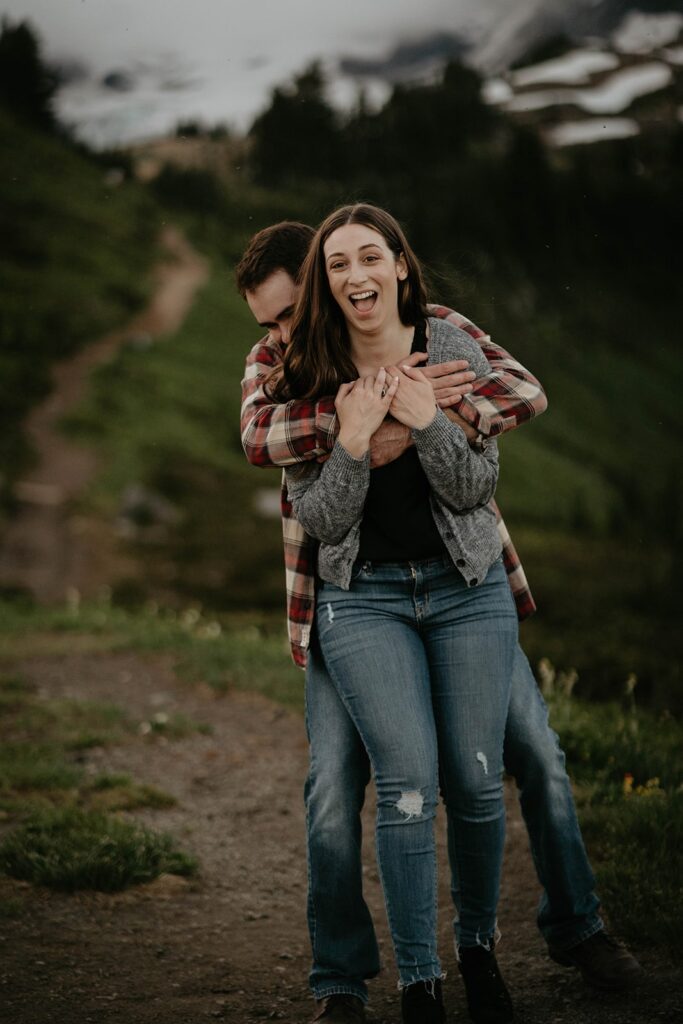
77	242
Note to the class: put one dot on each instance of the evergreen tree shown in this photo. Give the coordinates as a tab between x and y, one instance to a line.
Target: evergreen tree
297	137
27	86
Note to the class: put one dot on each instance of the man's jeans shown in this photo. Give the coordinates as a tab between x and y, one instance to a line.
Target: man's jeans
345	952
422	662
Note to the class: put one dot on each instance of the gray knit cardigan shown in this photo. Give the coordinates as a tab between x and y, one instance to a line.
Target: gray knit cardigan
328	498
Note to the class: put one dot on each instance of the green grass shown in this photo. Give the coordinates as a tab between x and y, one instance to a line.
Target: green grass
25	767
224	651
66	836
41	745
627	764
168	417
604	608
77	250
181	393
590	464
608	743
119	792
636	849
75	849
11	908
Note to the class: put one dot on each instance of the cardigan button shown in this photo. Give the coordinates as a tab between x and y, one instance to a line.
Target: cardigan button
460	563
473	582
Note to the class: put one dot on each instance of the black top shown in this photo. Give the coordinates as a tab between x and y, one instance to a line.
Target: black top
397	524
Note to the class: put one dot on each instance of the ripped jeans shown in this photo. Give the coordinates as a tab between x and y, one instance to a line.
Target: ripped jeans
422	663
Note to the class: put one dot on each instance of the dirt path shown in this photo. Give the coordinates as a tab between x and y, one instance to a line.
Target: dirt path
232	945
48	549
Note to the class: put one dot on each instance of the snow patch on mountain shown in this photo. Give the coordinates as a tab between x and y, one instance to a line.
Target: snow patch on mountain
613	96
641	33
574	133
496	91
674	55
574	68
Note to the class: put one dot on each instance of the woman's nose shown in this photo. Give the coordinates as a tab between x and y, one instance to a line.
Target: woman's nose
357	273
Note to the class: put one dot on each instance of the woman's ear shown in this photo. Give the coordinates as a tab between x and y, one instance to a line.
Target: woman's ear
401	268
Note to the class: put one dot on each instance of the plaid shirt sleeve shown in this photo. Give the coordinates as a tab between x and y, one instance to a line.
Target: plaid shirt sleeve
507	397
281	435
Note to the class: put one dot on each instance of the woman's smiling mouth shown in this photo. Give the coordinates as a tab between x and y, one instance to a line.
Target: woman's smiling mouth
363	301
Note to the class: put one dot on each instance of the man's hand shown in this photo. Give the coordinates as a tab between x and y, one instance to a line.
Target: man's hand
392	439
388	442
470	433
450	381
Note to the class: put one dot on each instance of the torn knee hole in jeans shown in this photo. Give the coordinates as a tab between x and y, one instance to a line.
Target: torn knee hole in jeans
411	803
330	612
483	761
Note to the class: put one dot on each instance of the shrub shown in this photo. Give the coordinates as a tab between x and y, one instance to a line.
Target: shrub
73	849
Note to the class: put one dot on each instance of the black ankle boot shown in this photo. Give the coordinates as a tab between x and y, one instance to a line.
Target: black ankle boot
488	1000
422	1003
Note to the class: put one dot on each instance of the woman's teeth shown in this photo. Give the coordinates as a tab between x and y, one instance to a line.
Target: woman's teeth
363	301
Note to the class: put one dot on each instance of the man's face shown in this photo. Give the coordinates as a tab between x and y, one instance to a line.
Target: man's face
273	302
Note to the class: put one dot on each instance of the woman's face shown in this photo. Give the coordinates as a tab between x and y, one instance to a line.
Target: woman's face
363	274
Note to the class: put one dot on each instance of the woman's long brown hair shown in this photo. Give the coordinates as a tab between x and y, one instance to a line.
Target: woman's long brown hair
318	356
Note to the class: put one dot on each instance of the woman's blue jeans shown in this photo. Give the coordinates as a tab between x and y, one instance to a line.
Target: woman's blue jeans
422	663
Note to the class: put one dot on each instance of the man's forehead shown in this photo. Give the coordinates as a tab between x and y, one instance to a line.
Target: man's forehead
272	297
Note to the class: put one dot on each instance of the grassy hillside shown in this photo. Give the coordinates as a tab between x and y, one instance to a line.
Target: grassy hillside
601	459
168	418
78	242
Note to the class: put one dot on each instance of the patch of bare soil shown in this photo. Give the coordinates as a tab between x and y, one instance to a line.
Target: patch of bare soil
47	548
232	945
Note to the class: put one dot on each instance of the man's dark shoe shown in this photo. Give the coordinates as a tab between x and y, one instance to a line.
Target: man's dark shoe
422	1003
488	1000
342	1009
603	962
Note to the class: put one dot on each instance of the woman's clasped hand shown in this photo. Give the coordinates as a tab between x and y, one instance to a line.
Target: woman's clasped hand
414	403
403	392
361	406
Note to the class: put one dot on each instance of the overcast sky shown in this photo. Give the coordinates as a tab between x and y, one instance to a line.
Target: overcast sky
217	59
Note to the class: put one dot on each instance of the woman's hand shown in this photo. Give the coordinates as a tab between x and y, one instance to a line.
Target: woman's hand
361	406
414	403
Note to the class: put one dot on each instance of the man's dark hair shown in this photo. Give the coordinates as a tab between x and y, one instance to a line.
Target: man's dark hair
280	247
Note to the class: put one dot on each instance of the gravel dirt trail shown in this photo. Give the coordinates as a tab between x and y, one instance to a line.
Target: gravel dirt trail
232	944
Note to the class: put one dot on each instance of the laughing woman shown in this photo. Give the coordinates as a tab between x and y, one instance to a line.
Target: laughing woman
414	617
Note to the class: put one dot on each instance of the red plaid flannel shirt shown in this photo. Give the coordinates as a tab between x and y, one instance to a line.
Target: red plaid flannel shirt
280	435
